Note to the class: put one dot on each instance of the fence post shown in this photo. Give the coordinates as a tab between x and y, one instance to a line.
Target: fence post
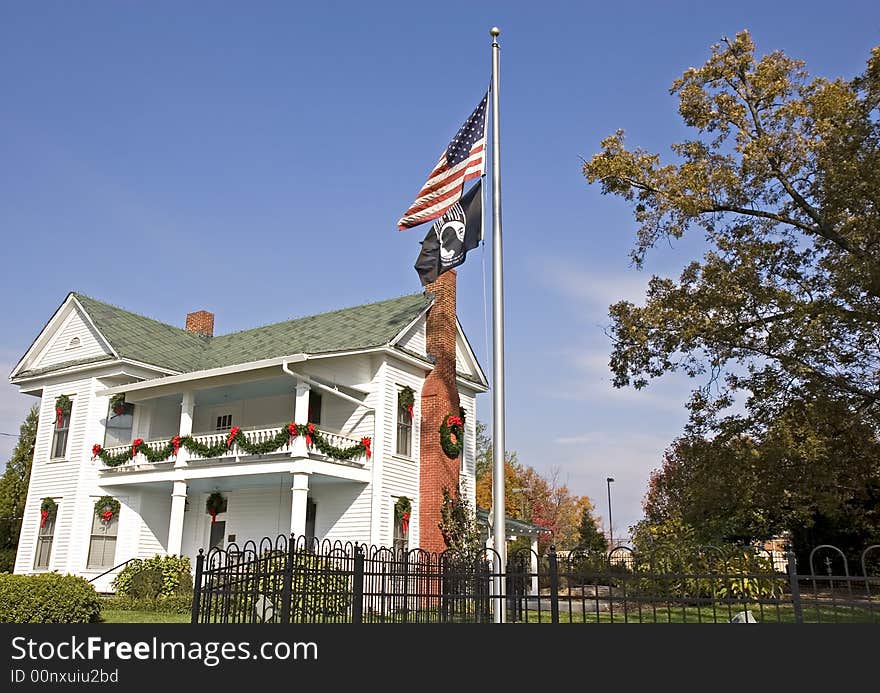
287	581
357	586
197	587
795	588
554	586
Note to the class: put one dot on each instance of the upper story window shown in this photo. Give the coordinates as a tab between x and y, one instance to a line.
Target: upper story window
120	420
404	429
224	422
73	343
314	407
60	434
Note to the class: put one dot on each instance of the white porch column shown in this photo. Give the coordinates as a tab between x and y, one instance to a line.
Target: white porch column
175	524
533	568
299	493
301	416
187	408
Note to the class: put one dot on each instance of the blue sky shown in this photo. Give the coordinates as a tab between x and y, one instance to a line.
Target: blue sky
252	159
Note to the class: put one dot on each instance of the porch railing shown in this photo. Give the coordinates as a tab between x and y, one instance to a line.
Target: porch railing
254	436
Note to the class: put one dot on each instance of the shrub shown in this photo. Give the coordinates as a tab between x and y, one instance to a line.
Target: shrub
167	575
7	560
48	598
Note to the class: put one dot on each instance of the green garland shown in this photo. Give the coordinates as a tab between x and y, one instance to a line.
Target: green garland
236	437
452	426
105	505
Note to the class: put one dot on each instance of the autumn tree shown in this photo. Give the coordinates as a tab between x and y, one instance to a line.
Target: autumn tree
780	314
13	489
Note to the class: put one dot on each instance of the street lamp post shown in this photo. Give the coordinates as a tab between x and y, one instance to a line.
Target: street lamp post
608	481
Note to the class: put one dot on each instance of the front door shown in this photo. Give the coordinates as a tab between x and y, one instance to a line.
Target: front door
218	535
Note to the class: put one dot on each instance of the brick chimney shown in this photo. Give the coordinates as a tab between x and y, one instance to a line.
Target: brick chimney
201	323
439	398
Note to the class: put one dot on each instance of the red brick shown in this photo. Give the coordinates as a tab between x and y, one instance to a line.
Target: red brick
200	322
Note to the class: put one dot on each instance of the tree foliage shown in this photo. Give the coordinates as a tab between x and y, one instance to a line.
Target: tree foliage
590	536
531	497
783	178
13	489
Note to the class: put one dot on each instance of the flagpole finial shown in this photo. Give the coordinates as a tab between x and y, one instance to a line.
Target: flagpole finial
494	32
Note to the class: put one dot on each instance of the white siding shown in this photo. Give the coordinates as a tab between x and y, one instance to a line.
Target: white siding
55	478
155	511
467	480
343	511
414	339
400	476
463	362
59	349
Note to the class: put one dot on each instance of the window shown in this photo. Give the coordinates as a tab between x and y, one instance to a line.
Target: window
102	546
44	541
74	343
224	422
119	425
314	407
311	514
400	540
59	438
404	430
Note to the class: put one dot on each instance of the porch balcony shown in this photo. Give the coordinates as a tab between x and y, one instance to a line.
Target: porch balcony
254	436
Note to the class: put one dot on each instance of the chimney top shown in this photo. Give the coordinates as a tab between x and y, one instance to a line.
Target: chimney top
201	323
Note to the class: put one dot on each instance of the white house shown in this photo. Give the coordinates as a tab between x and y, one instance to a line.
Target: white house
224	404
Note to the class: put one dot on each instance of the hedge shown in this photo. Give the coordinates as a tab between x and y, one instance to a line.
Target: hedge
159	576
48	598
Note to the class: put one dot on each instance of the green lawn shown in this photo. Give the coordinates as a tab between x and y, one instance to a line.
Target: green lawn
119	616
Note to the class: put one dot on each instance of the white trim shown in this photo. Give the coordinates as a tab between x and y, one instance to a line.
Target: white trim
427	366
471	355
402	333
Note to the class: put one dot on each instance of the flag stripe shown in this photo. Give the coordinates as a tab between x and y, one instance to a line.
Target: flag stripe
466	153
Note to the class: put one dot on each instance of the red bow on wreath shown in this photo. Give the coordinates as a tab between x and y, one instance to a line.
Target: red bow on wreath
135	444
410	410
404	522
213	513
59	417
44	515
367	442
107	515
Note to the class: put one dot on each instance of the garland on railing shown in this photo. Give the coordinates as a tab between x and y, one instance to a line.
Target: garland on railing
48	508
106	508
407	399
63	405
236	437
452	426
402	510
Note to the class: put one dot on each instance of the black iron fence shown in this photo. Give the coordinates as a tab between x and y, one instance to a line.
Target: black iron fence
287	580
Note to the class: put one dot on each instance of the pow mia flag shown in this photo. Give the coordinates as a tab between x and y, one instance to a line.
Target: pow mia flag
451	236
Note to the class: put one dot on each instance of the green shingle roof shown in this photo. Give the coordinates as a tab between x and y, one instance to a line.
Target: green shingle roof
143	339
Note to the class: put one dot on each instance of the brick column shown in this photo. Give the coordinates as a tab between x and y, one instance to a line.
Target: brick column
439	398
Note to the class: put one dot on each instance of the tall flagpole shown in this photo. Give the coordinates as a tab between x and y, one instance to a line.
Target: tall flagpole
499	535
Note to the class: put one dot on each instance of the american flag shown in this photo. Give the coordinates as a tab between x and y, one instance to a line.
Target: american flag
463	160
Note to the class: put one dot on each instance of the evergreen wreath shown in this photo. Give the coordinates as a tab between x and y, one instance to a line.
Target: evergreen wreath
452	426
406	398
63	405
106	508
236	437
215	505
402	512
118	405
48	509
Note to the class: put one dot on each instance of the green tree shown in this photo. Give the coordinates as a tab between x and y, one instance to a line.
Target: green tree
590	537
780	314
13	489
